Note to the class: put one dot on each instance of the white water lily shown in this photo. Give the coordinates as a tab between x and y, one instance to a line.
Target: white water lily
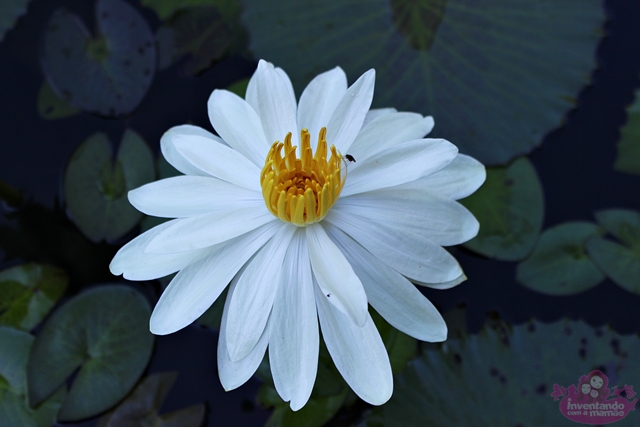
300	233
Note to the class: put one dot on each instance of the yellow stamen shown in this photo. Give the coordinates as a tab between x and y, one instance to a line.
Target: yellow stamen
302	190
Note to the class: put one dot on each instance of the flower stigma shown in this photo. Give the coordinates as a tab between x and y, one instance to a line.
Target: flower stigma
302	190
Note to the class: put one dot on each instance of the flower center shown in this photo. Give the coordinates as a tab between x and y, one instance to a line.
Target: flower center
302	190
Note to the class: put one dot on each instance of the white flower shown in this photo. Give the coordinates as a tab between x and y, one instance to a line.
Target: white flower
331	237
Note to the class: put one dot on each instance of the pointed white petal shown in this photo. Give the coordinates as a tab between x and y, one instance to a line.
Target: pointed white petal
254	295
275	107
391	294
444	285
287	81
134	264
293	329
339	284
172	156
386	131
219	160
358	352
377	112
348	116
188	195
409	254
239	125
198	285
319	99
461	178
434	217
205	230
234	374
399	164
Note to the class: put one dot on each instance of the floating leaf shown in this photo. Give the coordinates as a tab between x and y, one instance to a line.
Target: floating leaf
51	106
104	332
96	187
496	75
108	74
142	406
619	262
504	376
10	11
628	157
14	411
559	264
510	208
28	292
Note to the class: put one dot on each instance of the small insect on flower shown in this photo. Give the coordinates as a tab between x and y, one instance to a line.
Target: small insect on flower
350	158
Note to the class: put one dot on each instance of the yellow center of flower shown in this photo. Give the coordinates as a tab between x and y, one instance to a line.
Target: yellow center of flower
302	190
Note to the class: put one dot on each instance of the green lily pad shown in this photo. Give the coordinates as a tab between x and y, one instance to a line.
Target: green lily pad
108	74
96	187
28	292
51	106
510	209
14	410
505	376
559	264
10	11
142	406
496	75
104	332
620	262
628	157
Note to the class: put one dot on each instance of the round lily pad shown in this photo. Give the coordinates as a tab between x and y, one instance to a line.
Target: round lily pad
496	75
510	209
107	74
104	332
10	11
28	292
628	156
96	187
505	376
559	264
51	106
620	262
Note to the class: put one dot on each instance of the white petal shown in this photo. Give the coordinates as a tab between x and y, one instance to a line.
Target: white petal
399	164
409	254
254	295
251	95
319	99
200	231
346	120
275	107
434	217
287	81
386	131
188	195
358	352
461	178
198	285
444	285
377	112
172	156
336	278
293	328
392	295
219	160
234	374
134	264
239	125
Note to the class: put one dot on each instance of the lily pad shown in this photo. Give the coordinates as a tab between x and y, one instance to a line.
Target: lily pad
496	75
108	74
628	157
10	11
96	187
510	209
14	410
142	406
620	262
559	264
504	376
104	332
28	292
51	106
